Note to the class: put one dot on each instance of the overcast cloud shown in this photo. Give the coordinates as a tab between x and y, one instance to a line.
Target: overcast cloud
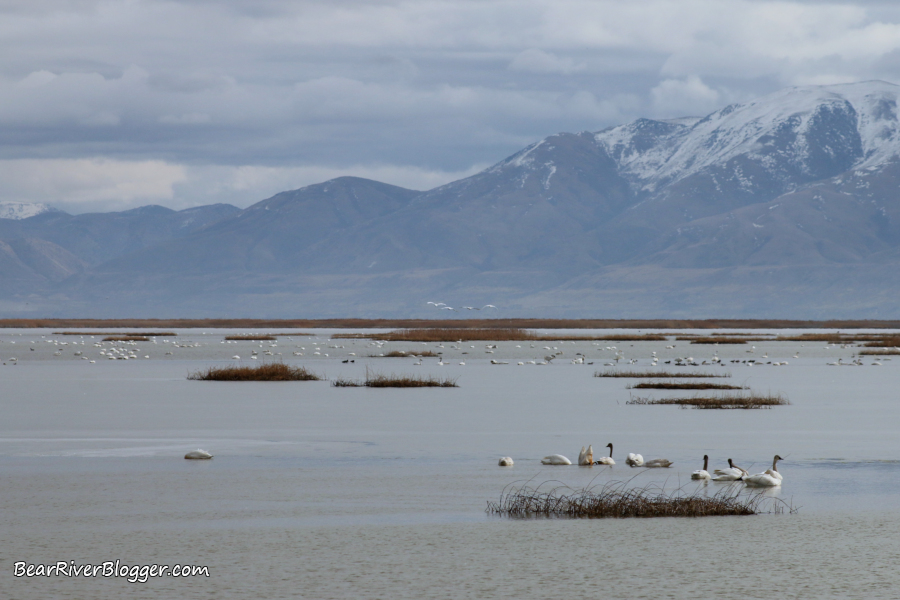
106	105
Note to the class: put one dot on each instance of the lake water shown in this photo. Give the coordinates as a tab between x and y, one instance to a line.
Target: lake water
323	492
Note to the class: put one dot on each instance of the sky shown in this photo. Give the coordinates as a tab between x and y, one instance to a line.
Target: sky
112	104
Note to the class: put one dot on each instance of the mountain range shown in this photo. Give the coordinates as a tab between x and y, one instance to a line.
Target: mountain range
786	206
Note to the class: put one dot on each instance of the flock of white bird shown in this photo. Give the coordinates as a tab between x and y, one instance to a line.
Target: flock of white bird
768	478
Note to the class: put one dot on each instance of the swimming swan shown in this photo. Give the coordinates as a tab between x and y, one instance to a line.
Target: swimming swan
732	473
581	456
506	461
768	478
198	454
702	473
634	460
606	460
657	463
555	459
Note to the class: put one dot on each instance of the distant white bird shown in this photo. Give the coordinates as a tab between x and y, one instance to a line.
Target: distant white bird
607	460
449	308
198	454
555	459
506	461
702	473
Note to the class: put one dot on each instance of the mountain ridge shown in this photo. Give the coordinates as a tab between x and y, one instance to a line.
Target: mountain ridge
788	196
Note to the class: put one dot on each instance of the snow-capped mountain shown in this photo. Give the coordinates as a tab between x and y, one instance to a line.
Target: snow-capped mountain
22	210
808	132
784	206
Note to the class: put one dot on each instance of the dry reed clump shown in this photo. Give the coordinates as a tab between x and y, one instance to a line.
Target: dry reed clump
722	340
405	354
658	374
126	338
683	385
263	372
746	401
886	341
616	501
251	337
142	333
400	381
869	339
887	352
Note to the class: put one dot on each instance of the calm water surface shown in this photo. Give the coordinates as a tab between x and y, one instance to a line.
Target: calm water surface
322	492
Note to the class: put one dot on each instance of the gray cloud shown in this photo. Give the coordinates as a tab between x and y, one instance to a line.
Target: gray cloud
270	94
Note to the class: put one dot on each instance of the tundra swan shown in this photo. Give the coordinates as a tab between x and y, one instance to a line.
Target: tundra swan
198	454
506	461
732	473
702	473
769	478
634	460
657	463
555	459
606	460
587	459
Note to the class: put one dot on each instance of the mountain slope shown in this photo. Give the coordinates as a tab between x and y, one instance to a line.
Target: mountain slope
787	203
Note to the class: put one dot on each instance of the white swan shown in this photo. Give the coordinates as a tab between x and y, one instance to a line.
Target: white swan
658	463
506	461
555	459
586	459
702	473
634	460
732	473
606	460
198	454
769	478
581	456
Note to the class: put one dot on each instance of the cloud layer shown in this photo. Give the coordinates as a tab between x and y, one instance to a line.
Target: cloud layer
114	103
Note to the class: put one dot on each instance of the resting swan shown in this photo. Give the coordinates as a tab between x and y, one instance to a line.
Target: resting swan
198	454
732	473
657	463
768	478
506	461
634	460
702	473
555	459
606	460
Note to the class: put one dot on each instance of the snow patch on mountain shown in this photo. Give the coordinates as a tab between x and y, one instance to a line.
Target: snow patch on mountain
22	210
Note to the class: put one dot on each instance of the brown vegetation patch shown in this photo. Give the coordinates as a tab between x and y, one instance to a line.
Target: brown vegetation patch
658	374
616	501
263	372
378	380
126	338
887	341
683	385
651	324
251	337
405	354
141	333
892	351
747	401
722	340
